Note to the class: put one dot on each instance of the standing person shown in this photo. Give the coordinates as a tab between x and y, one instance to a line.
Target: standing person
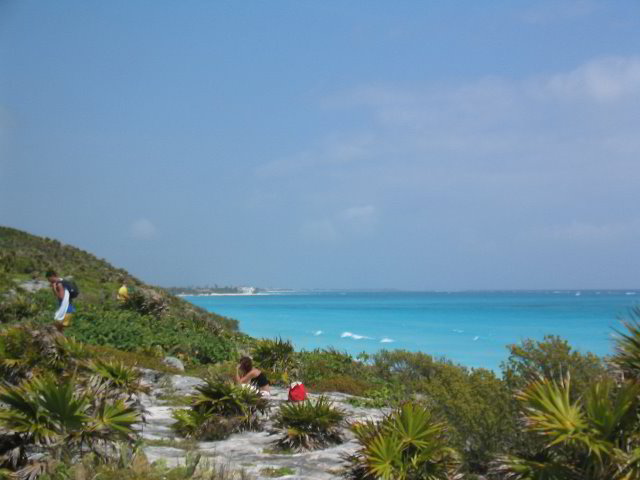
123	293
64	292
247	374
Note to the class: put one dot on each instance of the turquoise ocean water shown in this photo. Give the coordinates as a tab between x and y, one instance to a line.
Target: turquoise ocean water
471	328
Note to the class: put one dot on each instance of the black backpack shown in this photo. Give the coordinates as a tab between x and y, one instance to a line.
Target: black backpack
71	286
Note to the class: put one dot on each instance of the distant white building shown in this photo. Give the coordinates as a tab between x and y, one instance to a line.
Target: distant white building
247	290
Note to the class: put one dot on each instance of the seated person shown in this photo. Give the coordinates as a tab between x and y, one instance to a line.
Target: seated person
247	374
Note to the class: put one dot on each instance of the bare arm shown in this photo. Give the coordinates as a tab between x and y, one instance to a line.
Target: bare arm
58	290
245	379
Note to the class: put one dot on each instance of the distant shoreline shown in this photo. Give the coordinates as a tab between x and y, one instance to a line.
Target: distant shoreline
259	292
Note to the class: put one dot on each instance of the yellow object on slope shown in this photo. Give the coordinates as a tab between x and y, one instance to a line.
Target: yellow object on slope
123	293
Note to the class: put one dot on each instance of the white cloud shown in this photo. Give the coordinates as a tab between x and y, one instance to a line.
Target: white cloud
355	336
602	80
143	229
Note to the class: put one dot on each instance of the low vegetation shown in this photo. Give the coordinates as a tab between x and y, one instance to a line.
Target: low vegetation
58	402
308	425
408	444
592	437
276	357
150	321
219	409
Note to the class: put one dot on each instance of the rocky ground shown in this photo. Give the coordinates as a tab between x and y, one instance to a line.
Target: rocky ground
251	451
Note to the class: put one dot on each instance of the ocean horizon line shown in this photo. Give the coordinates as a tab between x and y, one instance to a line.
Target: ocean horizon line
284	291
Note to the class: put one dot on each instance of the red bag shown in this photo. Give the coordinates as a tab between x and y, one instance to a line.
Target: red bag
297	392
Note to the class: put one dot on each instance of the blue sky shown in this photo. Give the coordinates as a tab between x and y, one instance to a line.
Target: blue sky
364	144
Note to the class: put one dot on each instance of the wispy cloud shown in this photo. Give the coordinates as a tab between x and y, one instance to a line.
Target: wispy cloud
501	116
142	229
481	168
334	150
602	80
355	336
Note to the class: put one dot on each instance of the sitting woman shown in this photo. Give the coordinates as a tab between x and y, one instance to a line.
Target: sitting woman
247	374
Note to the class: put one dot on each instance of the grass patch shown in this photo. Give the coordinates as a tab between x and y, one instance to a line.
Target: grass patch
340	383
278	451
180	443
131	359
273	472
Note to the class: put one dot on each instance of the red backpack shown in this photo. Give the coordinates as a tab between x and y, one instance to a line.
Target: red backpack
297	392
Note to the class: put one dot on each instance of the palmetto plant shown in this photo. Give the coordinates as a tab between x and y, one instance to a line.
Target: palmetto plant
275	355
57	415
219	409
592	438
308	425
43	412
627	356
117	374
146	301
26	350
229	399
408	444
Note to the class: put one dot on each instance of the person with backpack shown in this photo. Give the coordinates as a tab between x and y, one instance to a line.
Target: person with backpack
64	291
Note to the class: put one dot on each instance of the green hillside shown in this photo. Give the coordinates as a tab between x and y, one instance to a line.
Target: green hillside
151	321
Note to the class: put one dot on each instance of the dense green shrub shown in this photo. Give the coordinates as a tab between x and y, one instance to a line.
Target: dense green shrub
27	350
476	404
403	367
128	330
341	383
332	370
308	425
146	301
275	356
17	307
551	358
479	409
